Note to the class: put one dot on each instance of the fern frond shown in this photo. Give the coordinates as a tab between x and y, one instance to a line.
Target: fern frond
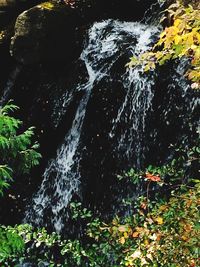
8	108
4	143
5	176
16	149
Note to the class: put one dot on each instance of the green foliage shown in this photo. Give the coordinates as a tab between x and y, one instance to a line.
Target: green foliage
168	235
174	171
181	39
5	177
40	246
165	235
18	152
18	155
78	212
10	243
161	232
21	236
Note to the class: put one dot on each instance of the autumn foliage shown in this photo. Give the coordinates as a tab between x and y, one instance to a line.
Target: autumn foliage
180	40
167	236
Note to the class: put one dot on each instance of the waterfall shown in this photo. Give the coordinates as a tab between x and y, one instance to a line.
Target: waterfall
107	41
138	101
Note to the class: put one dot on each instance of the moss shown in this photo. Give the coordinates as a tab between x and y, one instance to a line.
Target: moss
54	6
51	5
47	5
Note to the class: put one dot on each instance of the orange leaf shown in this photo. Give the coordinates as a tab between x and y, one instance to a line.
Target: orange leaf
153	178
159	237
143	205
187	227
135	234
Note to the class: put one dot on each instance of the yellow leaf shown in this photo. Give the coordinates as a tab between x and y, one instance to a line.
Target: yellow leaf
158	55
184	238
159	220
139	229
162	34
163	207
197	35
126	235
146	68
177	22
177	39
188	39
122	240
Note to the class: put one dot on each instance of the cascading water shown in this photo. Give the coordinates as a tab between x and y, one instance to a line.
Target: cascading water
107	42
138	101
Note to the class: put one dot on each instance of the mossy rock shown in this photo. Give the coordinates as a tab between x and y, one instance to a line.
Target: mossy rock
45	32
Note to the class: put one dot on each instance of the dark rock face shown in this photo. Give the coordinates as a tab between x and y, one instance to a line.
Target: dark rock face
125	10
99	171
5	18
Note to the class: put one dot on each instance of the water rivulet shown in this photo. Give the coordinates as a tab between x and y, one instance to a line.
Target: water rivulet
123	118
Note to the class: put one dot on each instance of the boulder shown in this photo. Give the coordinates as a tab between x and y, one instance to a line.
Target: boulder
45	33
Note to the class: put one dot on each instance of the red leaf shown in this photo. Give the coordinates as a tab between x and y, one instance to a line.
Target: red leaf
153	178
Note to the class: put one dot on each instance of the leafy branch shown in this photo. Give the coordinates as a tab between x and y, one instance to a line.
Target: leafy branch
18	152
181	39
